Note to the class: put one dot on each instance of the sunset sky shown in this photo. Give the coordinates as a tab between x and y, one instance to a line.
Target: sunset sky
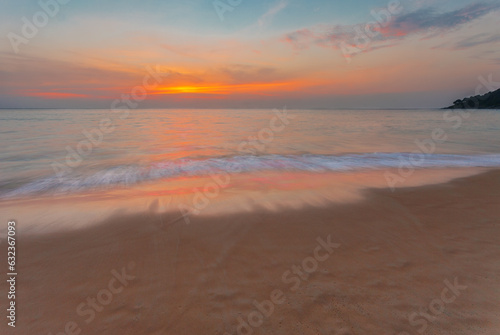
257	54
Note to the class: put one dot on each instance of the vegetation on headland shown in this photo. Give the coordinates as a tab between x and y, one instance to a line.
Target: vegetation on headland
490	100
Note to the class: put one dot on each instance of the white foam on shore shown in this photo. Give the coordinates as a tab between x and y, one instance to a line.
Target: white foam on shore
130	175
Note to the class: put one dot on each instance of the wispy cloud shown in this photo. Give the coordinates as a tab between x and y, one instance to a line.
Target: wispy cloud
427	21
476	40
267	17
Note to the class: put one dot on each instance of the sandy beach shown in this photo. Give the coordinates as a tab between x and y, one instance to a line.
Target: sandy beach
420	260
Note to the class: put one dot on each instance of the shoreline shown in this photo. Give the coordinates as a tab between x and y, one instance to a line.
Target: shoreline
189	197
398	253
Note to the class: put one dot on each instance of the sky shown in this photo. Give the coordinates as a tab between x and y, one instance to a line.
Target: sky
246	54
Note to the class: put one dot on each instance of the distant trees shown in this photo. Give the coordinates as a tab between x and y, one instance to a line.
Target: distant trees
490	100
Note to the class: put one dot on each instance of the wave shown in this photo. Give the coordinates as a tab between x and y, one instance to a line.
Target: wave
134	174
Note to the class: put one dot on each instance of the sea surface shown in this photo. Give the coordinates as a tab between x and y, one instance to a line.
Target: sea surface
63	152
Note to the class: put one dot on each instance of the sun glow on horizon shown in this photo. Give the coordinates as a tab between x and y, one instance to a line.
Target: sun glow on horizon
226	89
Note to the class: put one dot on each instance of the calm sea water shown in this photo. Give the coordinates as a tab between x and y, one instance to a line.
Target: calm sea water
58	151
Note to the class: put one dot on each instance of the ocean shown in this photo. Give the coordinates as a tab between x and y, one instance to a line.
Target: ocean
56	154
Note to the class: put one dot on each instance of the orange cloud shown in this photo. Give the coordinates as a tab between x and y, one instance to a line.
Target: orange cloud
55	95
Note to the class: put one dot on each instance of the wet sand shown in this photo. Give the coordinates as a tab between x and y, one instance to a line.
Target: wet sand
430	253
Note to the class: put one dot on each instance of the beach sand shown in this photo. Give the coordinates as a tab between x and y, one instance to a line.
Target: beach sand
430	252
